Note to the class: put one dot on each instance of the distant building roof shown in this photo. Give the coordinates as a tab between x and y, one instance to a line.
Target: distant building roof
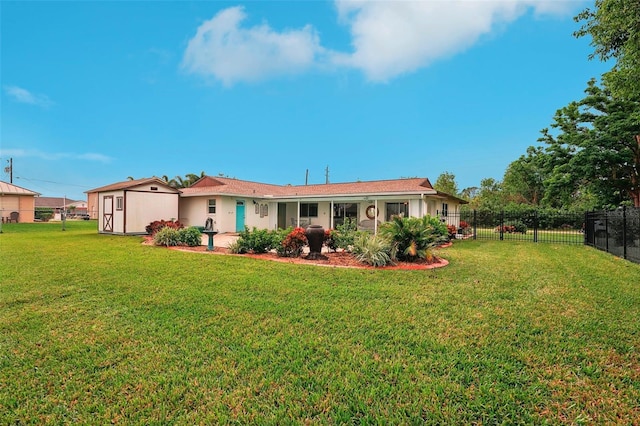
55	202
11	189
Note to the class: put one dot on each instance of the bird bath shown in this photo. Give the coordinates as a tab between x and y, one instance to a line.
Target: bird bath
209	232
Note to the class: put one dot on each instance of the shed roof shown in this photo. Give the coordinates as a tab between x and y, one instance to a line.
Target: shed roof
131	184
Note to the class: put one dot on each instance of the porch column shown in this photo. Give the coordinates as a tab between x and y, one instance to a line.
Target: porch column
375	219
331	216
298	215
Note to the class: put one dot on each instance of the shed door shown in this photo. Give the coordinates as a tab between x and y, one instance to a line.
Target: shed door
107	214
239	216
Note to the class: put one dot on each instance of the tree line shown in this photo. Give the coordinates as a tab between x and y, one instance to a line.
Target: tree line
589	156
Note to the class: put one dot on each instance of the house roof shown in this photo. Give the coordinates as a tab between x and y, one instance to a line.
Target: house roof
131	184
229	186
11	189
55	202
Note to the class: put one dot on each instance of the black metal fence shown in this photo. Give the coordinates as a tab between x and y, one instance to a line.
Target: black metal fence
615	231
544	226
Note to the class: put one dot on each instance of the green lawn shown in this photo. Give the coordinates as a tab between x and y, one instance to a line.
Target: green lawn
97	329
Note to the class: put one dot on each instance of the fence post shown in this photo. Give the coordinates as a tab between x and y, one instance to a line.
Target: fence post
624	231
585	227
475	224
501	225
606	230
535	226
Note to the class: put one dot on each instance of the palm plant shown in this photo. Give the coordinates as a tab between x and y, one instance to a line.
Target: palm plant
411	238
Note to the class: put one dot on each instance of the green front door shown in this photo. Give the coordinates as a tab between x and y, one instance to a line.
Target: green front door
239	216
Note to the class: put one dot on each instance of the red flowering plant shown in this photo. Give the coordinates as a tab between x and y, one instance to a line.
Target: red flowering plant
293	243
452	230
157	225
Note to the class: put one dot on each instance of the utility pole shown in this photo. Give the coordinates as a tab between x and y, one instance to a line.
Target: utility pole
326	175
9	169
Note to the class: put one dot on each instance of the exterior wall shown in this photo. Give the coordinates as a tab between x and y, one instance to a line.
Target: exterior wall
25	205
92	205
142	208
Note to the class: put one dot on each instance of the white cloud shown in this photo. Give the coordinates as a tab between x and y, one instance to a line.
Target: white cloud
54	156
388	37
26	97
224	50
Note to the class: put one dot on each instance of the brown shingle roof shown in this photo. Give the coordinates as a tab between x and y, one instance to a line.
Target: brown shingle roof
54	202
228	186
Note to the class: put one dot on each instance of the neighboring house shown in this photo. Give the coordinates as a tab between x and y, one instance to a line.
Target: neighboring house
16	203
59	204
128	207
234	204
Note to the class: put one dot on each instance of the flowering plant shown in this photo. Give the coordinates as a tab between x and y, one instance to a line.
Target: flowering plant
293	243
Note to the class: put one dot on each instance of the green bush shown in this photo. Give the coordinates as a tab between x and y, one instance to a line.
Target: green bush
258	240
166	236
191	236
519	226
344	235
372	250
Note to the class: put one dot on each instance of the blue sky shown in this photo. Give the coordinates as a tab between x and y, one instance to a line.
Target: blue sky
94	92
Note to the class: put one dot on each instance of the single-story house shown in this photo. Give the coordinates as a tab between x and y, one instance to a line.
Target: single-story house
128	207
17	204
74	208
233	204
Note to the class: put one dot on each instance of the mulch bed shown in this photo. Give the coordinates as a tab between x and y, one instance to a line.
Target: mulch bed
338	259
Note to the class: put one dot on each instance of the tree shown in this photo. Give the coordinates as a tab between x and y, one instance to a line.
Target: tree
596	151
446	183
180	182
614	27
523	180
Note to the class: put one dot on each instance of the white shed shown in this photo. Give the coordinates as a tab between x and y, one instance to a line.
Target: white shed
128	207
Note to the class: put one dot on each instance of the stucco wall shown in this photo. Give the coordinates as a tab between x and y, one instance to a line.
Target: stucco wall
23	204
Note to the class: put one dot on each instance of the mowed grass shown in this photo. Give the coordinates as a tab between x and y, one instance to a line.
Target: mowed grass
98	329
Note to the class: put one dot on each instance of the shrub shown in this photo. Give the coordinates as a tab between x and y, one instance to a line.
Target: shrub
372	250
166	236
344	235
519	227
293	243
413	238
452	231
191	236
257	240
329	241
157	225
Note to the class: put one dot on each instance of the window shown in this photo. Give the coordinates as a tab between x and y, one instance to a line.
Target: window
309	209
212	207
445	209
397	209
342	211
119	203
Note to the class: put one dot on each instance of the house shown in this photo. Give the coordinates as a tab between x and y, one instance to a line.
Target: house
16	203
234	203
128	207
57	205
